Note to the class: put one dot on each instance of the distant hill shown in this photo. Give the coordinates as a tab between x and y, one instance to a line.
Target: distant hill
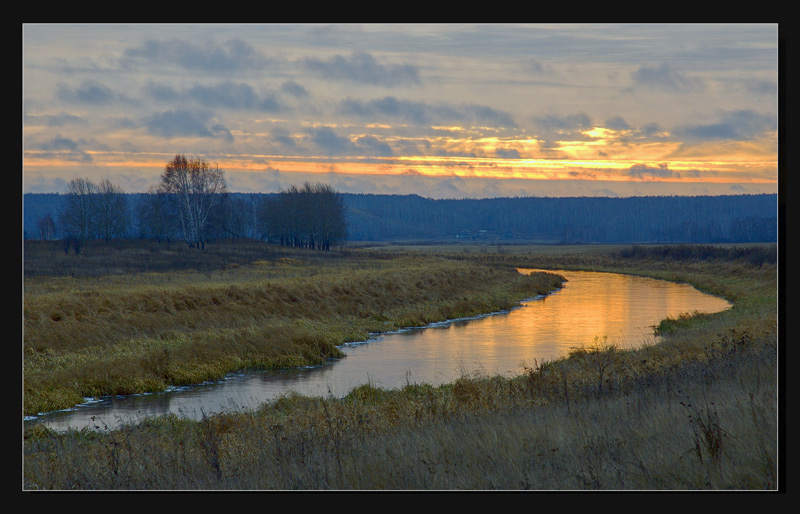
668	219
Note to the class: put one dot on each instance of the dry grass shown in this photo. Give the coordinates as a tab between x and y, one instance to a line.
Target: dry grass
695	412
124	334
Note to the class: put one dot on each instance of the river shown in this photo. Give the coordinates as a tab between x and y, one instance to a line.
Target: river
621	308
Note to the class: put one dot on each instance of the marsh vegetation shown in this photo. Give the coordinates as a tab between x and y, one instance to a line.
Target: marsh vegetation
697	411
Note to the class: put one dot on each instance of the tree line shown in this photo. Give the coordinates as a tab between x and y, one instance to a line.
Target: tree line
569	220
191	202
199	209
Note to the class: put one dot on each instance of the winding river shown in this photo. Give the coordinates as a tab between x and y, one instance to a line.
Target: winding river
622	308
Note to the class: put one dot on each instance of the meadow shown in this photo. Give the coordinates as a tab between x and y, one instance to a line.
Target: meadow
699	410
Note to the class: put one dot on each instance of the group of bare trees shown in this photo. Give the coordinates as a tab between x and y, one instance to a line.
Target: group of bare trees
311	216
191	202
91	211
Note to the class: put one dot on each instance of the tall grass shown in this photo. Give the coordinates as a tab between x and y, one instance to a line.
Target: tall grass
698	411
96	336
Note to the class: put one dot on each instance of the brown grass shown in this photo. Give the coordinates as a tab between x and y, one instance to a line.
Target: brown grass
124	334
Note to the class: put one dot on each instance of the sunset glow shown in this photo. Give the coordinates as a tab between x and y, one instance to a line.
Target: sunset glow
280	110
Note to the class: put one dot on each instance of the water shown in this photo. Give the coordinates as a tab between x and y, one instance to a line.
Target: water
622	308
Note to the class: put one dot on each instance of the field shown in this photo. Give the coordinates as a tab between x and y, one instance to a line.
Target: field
698	411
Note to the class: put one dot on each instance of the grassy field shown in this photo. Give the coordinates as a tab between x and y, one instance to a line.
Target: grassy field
697	411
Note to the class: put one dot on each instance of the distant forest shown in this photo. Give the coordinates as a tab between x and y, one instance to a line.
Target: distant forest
653	219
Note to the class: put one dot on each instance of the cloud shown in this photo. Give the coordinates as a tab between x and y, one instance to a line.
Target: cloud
651	130
421	113
374	146
162	93
62	148
617	123
507	153
56	120
533	66
643	170
330	142
182	123
761	87
59	143
665	77
363	68
552	122
209	56
283	137
554	128
230	95
739	124
485	114
89	92
293	88
225	94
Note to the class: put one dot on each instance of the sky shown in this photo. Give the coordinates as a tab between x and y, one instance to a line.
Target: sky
438	110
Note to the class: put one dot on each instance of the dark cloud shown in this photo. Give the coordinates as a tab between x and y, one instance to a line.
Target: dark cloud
421	113
162	93
374	146
650	130
415	112
230	95
283	137
225	94
59	143
89	92
67	149
738	125
363	68
552	122
269	103
222	132
330	142
57	120
643	170
553	128
291	87
209	56
488	115
665	77
181	123
507	153
617	123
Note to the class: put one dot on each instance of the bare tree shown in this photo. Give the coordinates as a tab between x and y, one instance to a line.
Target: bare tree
78	209
110	211
196	187
311	216
47	227
157	219
239	215
331	222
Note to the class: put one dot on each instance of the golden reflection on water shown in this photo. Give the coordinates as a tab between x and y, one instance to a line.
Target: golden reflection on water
618	309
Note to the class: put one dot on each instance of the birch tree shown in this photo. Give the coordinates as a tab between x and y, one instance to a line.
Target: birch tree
78	209
111	211
196	187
